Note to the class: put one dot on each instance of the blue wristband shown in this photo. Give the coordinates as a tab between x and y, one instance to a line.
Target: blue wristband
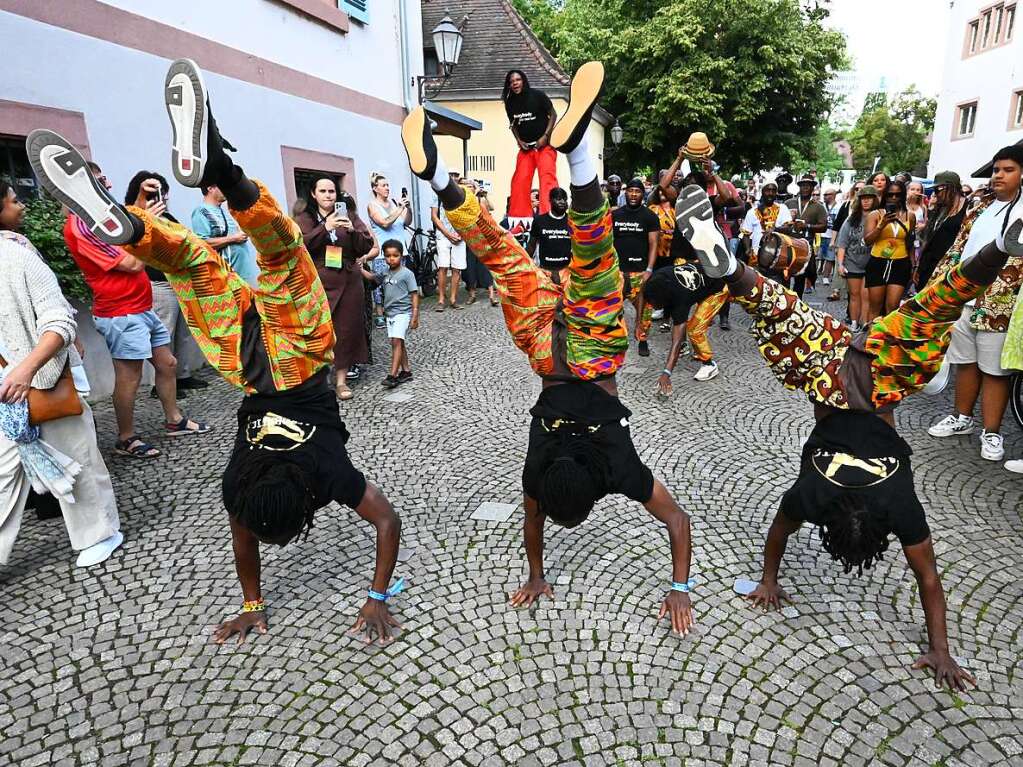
396	589
685	588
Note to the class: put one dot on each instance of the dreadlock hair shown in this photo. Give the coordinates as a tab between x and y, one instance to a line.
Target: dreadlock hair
574	479
854	533
506	91
657	290
273	499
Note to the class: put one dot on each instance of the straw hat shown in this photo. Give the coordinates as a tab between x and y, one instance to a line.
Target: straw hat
698	147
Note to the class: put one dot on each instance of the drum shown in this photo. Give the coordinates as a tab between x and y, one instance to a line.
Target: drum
781	253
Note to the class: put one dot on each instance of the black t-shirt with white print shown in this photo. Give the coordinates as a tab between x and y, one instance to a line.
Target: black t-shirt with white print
553	239
689	286
859	454
529	112
631	229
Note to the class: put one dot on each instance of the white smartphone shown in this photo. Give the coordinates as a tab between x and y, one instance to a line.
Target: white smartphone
341	209
744	586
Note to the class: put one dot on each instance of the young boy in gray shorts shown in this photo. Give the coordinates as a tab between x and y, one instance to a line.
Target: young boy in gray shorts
401	308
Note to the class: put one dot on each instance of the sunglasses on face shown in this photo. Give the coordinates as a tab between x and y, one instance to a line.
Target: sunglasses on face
894	194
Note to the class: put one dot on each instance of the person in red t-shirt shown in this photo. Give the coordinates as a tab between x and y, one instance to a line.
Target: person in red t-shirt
123	313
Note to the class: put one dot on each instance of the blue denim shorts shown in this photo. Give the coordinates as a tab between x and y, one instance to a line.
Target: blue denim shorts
133	336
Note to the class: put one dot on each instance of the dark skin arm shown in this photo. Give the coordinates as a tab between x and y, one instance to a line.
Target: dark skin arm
531	246
247	565
946	671
678	338
676	604
769	594
545	139
669	192
536	585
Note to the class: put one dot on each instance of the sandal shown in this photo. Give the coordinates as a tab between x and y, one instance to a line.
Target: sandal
343	392
134	447
181	427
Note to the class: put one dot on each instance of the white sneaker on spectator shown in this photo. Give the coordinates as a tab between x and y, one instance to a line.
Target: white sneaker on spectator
657	314
99	552
707	371
1015	466
991	448
952	426
827	280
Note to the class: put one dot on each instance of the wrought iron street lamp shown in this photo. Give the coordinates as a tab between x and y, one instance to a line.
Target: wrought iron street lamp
447	42
617	134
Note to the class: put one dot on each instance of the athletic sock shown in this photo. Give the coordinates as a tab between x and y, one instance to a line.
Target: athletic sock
588	197
580	164
441	177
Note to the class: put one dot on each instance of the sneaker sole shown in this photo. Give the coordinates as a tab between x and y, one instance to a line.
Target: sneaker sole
708	377
694	217
586	87
184	94
64	173
414	132
951	433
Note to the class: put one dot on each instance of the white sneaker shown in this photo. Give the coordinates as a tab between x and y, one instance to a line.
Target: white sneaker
707	371
827	280
185	98
694	220
657	314
99	552
952	426
1015	466
991	448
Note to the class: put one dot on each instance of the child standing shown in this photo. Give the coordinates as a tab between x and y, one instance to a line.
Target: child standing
401	308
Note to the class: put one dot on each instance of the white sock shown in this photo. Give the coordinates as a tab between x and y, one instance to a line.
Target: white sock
441	177
733	264
580	165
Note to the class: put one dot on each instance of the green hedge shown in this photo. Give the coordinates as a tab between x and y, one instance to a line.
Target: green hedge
44	227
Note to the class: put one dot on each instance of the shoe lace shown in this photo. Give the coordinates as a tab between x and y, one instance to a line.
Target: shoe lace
992	438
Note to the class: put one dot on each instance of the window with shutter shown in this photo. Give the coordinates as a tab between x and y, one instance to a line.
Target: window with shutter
357	9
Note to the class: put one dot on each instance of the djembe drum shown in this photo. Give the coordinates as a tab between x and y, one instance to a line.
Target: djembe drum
780	253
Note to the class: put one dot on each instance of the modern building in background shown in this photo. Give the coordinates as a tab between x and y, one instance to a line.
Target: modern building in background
497	40
301	87
980	107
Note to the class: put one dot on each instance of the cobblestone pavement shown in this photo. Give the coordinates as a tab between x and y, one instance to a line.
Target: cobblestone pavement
116	666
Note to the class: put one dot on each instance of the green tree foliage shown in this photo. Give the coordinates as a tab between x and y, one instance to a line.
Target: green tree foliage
44	227
822	156
898	131
752	75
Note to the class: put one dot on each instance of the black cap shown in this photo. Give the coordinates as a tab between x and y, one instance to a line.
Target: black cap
635	183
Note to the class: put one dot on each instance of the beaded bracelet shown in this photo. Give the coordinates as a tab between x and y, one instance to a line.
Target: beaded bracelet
255	606
685	587
396	589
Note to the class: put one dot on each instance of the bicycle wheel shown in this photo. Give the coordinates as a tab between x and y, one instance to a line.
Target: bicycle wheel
1016	398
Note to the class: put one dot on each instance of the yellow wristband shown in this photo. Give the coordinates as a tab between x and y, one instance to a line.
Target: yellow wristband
255	606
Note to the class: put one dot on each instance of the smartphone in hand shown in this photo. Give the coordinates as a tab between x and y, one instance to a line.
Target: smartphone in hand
341	209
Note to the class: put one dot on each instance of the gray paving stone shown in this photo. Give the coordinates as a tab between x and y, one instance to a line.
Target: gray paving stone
491	511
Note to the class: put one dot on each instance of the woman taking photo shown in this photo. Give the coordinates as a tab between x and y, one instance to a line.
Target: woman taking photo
37	328
853	253
916	203
336	238
890	232
388	220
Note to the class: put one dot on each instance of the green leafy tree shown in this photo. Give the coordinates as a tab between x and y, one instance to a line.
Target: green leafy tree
898	132
44	227
753	76
822	156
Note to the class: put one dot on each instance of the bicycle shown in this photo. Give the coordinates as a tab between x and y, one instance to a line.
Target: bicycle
1016	398
423	261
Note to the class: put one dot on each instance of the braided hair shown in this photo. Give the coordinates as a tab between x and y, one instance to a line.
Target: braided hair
854	533
273	499
575	478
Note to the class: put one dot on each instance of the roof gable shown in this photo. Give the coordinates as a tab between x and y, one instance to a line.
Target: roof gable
496	39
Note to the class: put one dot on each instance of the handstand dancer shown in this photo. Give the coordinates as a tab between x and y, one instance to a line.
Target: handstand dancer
855	480
274	342
580	448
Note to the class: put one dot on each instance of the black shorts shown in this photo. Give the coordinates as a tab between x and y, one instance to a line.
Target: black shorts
888	271
627	474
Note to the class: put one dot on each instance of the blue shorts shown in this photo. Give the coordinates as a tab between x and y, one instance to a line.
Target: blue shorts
133	336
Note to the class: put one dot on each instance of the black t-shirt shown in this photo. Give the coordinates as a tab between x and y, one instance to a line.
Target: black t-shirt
689	286
529	112
553	239
681	250
584	410
858	454
300	425
631	229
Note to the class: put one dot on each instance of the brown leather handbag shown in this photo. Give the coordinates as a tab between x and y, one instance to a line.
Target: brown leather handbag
50	404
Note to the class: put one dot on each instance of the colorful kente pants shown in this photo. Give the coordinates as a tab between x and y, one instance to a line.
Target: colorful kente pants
634	289
805	347
589	303
700	323
295	317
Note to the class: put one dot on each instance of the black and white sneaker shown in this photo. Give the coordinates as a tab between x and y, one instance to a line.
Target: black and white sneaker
587	85
417	135
65	174
694	218
184	94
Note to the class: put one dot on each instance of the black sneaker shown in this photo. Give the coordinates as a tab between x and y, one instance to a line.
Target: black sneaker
354	373
390	382
191	382
64	173
419	144
197	149
644	349
694	218
404	375
587	85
